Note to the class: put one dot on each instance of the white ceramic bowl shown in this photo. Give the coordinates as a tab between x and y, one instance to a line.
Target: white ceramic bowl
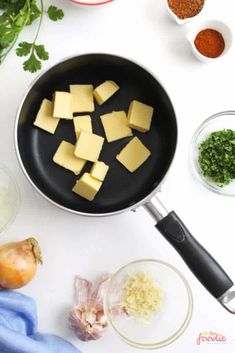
168	323
179	20
90	2
216	25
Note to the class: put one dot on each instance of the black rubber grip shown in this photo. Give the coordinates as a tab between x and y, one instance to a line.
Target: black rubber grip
200	262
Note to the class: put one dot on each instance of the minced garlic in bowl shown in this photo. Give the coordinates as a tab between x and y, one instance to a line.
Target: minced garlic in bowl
148	303
141	296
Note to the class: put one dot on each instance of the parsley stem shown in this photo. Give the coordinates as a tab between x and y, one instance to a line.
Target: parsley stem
38	29
40	22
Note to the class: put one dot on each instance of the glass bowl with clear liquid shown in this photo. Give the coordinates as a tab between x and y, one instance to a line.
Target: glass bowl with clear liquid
9	198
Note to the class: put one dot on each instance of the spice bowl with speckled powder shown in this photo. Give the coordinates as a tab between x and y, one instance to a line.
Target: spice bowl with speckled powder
184	11
216	26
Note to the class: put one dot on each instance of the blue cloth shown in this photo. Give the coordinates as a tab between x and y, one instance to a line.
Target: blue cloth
18	328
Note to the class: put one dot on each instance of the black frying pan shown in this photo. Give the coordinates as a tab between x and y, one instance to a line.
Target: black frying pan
122	190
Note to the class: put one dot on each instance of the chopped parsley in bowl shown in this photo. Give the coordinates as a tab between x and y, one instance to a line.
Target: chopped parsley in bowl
212	153
217	157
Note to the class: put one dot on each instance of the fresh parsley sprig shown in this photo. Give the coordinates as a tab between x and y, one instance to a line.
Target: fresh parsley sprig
15	15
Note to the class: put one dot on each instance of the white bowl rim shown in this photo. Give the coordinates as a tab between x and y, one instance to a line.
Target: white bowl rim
101	2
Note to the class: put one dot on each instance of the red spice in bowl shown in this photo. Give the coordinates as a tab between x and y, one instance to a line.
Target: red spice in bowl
186	8
210	43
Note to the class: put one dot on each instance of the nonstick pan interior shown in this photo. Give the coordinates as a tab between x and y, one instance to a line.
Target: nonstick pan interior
121	189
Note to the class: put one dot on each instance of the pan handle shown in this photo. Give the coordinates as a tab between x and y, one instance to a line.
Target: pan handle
200	262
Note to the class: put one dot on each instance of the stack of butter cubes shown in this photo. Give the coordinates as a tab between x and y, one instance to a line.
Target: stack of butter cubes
117	125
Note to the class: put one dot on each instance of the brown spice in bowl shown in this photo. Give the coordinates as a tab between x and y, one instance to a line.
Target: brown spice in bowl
210	43
186	8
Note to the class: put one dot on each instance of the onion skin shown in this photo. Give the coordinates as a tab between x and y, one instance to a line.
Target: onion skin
18	263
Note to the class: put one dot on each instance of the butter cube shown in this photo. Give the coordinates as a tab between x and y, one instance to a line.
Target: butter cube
62	105
99	170
133	155
115	126
82	98
87	186
104	91
64	157
44	119
88	146
140	116
82	123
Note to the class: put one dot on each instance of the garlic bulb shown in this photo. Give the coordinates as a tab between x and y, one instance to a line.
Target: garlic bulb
87	318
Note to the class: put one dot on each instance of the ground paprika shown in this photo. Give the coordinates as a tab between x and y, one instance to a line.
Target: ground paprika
210	43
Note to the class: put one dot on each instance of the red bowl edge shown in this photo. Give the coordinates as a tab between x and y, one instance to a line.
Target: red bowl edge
84	3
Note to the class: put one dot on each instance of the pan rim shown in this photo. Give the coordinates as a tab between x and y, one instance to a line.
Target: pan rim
130	208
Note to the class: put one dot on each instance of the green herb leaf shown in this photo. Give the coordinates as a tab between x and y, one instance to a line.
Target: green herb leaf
7	38
32	64
41	52
24	49
36	52
54	13
12	6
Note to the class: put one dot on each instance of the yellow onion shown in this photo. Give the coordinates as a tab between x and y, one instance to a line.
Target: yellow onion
18	263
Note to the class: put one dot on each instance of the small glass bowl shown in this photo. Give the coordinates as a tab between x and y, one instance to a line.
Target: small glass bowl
219	121
168	323
9	198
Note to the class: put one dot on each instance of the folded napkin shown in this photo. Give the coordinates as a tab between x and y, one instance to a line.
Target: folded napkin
18	328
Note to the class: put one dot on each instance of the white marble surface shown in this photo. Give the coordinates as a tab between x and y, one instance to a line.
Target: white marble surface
71	244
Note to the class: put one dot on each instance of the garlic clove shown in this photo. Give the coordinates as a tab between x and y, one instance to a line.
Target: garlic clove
87	318
101	319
